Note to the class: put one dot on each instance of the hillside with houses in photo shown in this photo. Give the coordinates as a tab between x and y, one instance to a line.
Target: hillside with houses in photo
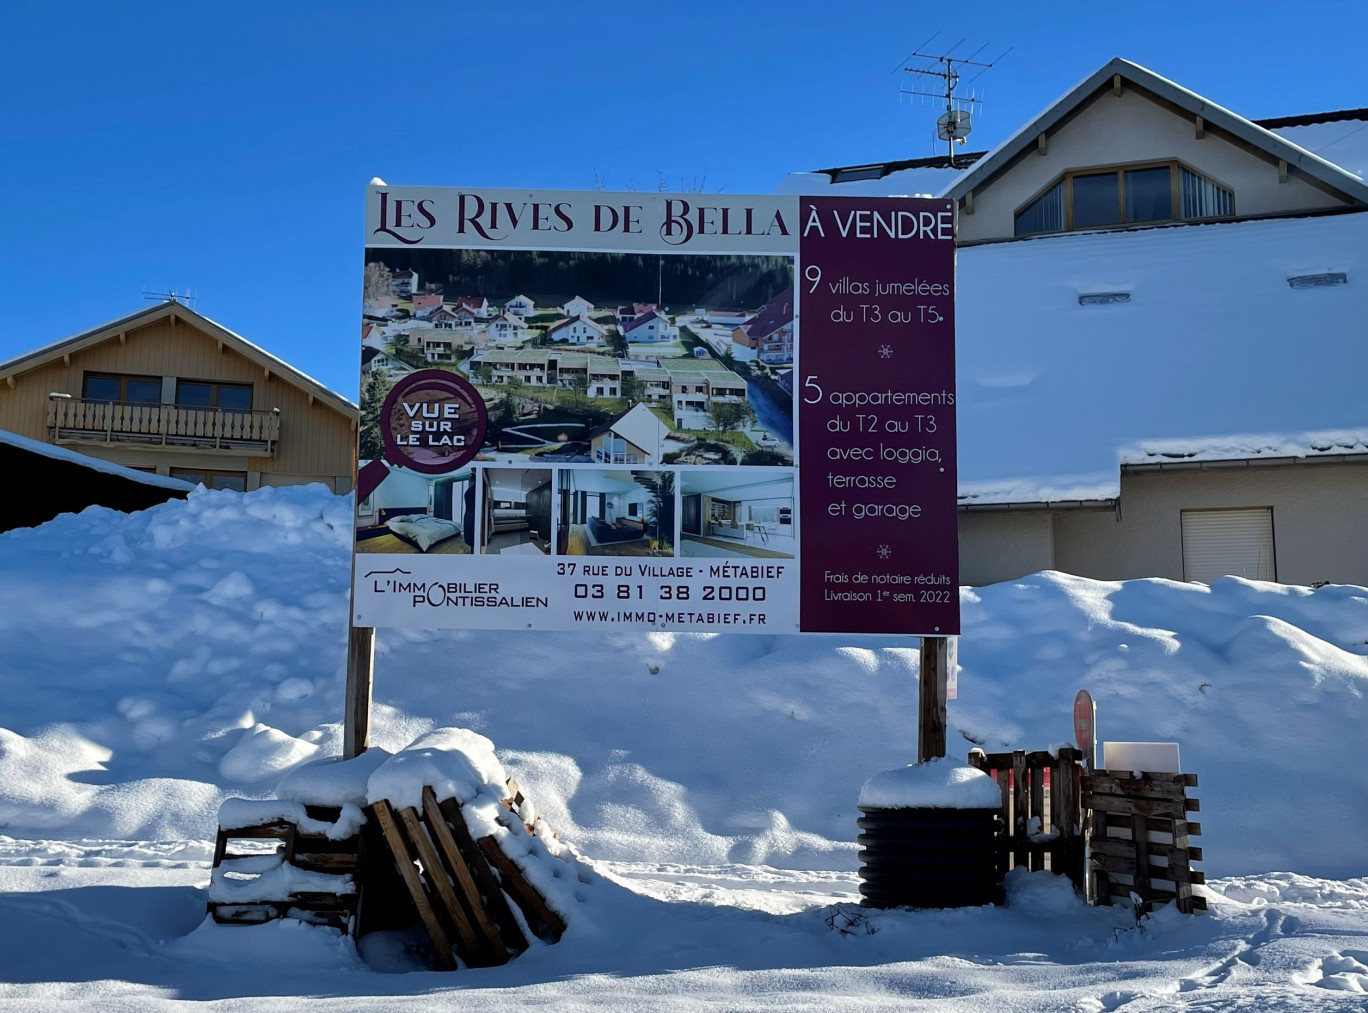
705	345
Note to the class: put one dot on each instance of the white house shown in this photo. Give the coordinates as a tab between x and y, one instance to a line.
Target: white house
769	334
650	326
634	437
449	318
478	305
404	282
520	306
373	361
578	307
506	327
1139	266
579	331
381	306
425	305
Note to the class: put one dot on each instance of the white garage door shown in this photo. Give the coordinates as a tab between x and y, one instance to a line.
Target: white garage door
1217	543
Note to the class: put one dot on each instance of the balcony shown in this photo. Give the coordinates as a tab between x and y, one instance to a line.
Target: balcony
72	420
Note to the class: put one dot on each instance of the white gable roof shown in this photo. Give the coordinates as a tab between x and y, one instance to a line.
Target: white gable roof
1058	112
640	427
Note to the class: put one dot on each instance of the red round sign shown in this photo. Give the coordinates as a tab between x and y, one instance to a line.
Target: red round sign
1085	717
432	422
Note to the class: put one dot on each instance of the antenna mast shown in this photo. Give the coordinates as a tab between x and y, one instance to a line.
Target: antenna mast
956	123
186	298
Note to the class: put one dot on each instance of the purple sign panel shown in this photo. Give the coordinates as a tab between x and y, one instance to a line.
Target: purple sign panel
876	416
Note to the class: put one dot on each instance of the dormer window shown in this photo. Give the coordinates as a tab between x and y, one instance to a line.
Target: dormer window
1124	195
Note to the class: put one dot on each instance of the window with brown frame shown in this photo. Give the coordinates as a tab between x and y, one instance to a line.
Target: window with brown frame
120	387
235	397
1124	195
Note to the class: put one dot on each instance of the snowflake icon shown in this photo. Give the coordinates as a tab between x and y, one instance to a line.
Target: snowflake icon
884	551
885	351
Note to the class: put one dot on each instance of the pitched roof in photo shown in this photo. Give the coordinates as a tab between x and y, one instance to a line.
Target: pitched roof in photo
638	425
776	313
641	321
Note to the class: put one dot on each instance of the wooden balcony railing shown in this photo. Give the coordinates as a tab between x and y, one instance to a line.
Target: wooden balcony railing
72	420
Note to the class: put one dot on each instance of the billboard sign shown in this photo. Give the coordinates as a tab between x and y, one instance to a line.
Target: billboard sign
707	413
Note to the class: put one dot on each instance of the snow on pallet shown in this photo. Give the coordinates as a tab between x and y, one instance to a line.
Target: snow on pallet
308	875
442	814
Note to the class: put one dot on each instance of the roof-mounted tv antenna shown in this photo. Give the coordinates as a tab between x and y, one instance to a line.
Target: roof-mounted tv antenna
956	122
185	298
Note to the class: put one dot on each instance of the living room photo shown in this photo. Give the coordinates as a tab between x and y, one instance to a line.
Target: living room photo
616	513
409	512
736	512
517	511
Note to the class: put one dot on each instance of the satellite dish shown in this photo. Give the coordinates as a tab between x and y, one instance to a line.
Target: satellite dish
954	125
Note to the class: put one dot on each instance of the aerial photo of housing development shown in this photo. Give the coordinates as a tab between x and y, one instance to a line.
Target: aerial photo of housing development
606	358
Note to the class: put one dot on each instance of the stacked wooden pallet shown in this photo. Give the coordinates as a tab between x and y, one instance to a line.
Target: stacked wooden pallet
308	873
1041	808
1140	838
460	886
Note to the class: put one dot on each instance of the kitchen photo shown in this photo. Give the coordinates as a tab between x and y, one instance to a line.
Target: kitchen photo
737	512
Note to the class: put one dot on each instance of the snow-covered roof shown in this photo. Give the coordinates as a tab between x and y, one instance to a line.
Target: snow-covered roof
1213	338
1329	444
93	463
105	332
1341	138
1315	166
1093	490
903	178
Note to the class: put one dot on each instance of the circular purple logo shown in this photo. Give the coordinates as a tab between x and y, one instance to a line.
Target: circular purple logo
433	422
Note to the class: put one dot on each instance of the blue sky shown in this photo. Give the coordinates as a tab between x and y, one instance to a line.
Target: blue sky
225	148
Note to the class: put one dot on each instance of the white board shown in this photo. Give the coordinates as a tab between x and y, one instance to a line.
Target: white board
1156	757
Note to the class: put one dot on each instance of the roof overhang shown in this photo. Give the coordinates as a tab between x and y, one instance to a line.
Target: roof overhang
1038	505
1139	467
119	328
1123	73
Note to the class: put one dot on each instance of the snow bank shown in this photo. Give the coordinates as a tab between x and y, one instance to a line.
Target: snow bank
935	784
137	651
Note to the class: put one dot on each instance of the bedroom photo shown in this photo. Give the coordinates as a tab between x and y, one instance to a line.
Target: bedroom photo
616	513
517	511
409	512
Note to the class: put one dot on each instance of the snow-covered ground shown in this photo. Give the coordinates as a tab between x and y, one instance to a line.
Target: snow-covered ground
152	664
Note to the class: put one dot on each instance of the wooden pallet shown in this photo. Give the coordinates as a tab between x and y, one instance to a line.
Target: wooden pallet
1139	838
1053	801
458	884
311	852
